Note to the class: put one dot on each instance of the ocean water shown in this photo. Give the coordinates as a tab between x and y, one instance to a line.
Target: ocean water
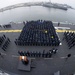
37	12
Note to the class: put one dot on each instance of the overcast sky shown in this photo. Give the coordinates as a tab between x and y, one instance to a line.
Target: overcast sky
4	3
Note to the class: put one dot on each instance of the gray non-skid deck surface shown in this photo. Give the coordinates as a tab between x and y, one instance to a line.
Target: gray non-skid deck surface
43	66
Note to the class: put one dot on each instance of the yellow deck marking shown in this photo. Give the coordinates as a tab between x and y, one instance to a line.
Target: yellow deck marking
65	30
6	31
1	31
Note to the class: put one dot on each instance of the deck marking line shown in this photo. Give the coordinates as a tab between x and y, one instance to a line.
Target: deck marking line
19	30
62	28
64	31
19	56
3	54
15	56
62	57
33	58
48	58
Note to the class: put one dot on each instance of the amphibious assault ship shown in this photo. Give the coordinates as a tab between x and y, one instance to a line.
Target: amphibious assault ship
45	44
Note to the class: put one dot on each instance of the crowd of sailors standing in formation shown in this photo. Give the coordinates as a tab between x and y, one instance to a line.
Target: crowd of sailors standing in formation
4	42
70	38
44	54
38	33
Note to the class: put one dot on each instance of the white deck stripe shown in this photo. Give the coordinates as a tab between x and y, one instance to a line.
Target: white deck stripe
41	58
15	56
3	53
62	28
48	58
62	57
